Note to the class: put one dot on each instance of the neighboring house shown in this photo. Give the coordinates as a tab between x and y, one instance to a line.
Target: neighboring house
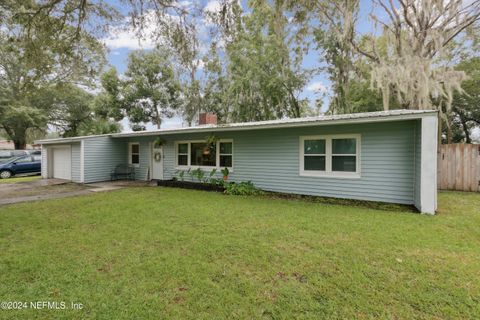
8	145
386	156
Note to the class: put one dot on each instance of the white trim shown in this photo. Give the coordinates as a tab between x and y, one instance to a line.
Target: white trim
130	144
190	166
150	173
428	179
44	166
82	161
329	173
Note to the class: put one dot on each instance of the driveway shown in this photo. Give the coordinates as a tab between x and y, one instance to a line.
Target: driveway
44	189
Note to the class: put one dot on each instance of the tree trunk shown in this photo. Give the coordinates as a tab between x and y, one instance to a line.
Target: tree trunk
465	130
19	138
158	119
19	145
386	98
449	128
440	129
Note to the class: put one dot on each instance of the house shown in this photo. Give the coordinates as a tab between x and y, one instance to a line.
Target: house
388	156
9	145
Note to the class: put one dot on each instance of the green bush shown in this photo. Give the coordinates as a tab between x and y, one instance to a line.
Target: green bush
242	189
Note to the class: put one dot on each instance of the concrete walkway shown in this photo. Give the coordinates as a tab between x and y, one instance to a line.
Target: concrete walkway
45	189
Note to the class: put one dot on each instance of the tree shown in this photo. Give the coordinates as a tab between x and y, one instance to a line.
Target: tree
151	88
71	107
32	64
466	104
264	80
417	34
338	55
109	103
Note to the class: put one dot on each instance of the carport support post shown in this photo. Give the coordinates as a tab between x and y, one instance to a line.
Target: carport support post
82	161
44	165
428	180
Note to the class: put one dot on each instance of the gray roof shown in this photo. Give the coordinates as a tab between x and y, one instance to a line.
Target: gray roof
393	115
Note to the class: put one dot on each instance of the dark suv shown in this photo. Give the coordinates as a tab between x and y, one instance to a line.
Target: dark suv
20	165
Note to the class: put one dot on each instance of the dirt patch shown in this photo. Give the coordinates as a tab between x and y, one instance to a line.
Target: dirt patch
27	191
40	190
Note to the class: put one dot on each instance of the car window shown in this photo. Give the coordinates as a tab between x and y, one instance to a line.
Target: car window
37	158
5	154
18	152
23	160
5	160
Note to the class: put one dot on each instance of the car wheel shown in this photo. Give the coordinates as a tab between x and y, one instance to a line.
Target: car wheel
5	174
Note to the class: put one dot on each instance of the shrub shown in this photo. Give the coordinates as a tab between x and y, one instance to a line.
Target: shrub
242	189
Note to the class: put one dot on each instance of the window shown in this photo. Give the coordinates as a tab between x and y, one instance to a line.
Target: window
314	155
226	154
334	156
203	155
344	155
134	154
23	160
182	154
198	154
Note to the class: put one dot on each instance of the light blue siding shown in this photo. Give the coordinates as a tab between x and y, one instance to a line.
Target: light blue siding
101	155
75	147
270	159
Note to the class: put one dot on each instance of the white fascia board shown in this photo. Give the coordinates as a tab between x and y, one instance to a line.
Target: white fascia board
82	161
428	180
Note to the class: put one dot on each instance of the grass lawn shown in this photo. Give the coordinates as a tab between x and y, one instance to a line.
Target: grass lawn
20	179
157	253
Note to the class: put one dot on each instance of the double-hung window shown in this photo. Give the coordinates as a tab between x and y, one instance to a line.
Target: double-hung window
182	154
199	154
332	156
226	154
134	153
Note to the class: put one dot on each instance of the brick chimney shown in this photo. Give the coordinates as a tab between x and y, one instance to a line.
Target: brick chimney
207	118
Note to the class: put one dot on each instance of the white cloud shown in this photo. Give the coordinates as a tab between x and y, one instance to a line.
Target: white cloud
184	4
128	37
476	135
317	86
168	123
213	6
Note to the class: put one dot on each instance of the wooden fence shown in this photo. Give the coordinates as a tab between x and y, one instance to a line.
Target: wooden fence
459	167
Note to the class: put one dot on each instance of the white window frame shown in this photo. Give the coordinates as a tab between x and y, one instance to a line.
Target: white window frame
130	153
224	154
328	157
190	166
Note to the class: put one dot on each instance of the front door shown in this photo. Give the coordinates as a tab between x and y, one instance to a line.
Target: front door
157	162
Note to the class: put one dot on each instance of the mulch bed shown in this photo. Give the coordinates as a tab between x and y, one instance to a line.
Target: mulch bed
190	185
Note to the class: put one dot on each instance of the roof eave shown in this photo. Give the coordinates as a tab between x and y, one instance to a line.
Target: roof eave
279	125
252	126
